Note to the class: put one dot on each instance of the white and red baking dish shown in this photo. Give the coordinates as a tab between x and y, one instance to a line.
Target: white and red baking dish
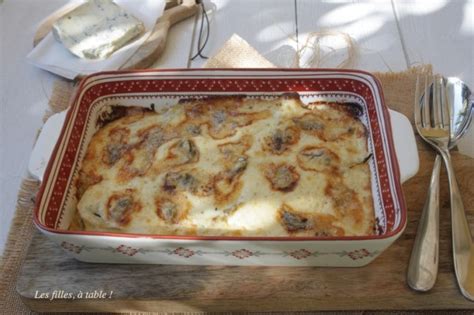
56	202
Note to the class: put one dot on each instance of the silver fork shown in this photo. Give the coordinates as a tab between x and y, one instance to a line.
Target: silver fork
432	120
423	265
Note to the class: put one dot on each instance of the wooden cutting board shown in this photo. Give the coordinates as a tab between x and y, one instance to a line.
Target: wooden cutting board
151	49
378	286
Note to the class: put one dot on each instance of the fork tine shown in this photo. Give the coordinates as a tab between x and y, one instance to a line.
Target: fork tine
445	117
417	110
425	110
434	104
437	103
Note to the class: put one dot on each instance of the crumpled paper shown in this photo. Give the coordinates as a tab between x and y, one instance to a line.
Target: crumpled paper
52	56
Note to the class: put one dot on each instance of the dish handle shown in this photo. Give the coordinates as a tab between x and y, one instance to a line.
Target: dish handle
44	145
405	145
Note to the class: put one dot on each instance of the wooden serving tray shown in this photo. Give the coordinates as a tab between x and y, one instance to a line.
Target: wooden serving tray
379	286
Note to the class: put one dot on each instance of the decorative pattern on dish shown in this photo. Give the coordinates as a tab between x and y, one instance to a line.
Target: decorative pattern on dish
239	254
231	166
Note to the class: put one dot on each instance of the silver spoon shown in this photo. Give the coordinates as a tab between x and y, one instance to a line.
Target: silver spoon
423	266
463	246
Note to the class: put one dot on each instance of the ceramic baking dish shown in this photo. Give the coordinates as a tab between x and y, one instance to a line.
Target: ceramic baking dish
56	202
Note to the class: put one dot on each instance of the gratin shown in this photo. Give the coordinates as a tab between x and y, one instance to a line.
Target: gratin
229	167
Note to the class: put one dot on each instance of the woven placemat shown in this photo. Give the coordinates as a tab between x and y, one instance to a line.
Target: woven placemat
399	89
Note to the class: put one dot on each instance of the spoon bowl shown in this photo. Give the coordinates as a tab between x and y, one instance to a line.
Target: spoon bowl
458	96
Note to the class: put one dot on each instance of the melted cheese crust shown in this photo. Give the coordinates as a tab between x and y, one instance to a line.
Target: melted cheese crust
230	166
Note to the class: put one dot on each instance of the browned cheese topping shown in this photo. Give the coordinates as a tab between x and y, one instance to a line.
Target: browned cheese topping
229	166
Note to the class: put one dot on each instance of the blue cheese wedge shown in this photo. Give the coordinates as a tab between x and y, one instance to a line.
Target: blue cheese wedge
96	29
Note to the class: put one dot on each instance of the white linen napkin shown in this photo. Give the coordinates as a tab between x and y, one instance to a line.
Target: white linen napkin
52	56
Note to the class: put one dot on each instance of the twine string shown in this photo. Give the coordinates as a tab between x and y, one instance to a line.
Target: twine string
315	49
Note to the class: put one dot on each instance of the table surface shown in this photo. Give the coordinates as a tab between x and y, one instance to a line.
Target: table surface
390	36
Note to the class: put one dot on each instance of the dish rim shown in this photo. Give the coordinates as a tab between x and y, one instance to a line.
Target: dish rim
388	130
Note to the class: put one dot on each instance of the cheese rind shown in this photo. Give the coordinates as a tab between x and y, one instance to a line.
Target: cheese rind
96	29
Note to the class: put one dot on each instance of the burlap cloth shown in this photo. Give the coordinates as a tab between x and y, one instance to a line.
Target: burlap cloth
398	87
